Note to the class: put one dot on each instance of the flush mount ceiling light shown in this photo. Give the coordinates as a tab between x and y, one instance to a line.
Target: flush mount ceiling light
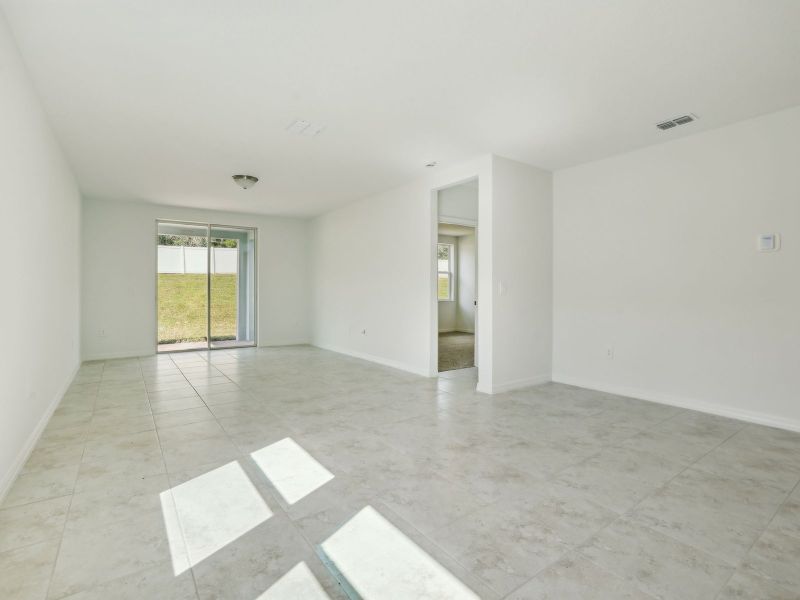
245	181
431	164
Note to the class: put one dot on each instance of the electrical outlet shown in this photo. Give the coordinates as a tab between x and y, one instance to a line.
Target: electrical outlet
610	352
363	332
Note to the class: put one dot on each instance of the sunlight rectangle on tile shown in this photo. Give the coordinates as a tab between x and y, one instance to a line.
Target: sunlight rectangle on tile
378	561
292	470
209	512
177	545
299	582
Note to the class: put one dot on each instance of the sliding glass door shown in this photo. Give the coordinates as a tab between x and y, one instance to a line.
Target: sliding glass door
182	286
206	286
232	312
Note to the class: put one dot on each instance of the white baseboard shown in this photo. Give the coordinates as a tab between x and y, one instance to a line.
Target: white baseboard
116	355
152	352
482	387
712	408
376	359
22	456
275	343
515	384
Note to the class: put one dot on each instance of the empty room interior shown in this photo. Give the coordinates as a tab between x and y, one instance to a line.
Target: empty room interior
396	300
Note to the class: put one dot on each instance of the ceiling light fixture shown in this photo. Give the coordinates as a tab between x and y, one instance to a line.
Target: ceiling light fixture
431	164
245	181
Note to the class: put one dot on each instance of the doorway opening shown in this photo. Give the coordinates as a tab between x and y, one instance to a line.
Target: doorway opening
457	277
205	286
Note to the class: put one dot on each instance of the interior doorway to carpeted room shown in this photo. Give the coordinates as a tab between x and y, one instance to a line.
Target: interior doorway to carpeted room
456	350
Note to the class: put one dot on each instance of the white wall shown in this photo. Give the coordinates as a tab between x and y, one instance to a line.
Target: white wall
363	283
459	203
465	311
655	256
119	263
39	301
522	266
448	309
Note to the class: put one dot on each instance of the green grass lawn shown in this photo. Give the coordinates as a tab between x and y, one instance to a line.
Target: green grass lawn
182	308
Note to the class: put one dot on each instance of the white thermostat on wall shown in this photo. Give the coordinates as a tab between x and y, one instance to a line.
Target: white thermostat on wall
769	242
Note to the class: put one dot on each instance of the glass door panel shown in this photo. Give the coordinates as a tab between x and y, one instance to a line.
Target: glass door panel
232	286
182	287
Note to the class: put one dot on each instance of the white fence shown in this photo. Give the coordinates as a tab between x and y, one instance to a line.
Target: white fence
192	259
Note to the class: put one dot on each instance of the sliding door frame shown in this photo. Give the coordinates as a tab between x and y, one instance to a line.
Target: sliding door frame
209	227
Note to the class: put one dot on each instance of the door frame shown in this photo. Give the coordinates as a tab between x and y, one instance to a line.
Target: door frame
466	223
434	270
209	227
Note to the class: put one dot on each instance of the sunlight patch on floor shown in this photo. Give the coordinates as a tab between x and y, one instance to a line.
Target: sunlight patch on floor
378	561
209	512
298	583
292	470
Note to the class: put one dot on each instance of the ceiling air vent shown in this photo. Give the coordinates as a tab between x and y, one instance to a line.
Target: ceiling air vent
305	128
664	125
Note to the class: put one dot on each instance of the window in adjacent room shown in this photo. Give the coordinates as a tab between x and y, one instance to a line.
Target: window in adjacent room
444	255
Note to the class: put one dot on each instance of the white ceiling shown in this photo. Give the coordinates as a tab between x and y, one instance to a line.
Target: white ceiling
163	100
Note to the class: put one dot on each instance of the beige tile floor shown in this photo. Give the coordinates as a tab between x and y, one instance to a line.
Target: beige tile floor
258	474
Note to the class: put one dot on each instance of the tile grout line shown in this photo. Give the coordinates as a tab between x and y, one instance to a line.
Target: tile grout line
170	476
72	497
579	555
554	475
166	474
629	511
170	483
291	522
759	536
551	477
691	464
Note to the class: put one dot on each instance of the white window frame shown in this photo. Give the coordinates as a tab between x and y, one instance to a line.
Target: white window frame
451	275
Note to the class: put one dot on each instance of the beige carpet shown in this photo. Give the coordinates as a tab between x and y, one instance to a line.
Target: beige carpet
456	351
